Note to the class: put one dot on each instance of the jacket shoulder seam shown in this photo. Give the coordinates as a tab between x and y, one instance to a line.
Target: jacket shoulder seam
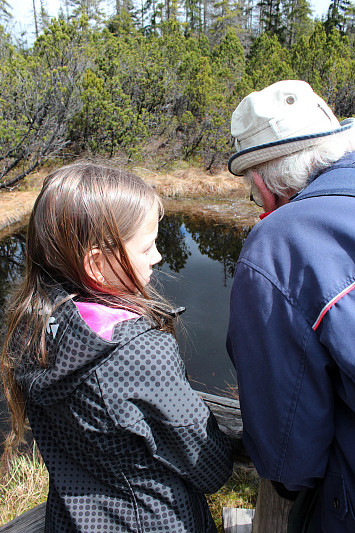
278	286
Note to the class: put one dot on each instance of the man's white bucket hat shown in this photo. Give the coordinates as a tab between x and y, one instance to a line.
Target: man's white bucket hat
282	119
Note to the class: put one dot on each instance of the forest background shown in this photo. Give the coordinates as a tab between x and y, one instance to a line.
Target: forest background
158	81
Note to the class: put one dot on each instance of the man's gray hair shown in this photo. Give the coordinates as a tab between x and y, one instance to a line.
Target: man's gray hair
292	172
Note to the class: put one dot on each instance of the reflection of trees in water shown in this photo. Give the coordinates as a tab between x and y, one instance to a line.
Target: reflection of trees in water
171	242
12	252
220	242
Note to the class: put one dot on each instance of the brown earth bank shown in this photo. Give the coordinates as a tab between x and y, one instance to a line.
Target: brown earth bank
220	196
15	208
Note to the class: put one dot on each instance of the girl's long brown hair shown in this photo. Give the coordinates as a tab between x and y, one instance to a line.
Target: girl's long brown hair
80	207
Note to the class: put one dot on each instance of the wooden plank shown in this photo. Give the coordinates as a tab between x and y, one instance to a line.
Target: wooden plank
227	413
221	400
236	520
29	522
229	419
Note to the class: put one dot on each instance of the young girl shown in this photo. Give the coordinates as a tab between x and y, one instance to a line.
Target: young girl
91	360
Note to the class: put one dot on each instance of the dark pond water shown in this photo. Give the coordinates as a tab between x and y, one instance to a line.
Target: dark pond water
199	259
11	260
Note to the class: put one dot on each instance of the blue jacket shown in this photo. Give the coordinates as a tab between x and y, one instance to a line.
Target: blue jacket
292	339
129	446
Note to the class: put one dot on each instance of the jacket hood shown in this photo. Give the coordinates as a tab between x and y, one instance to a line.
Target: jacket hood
74	351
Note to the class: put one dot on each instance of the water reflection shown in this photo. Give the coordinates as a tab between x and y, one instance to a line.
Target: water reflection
199	258
12	250
171	242
220	242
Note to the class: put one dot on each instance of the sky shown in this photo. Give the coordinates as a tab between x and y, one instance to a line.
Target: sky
23	15
22	12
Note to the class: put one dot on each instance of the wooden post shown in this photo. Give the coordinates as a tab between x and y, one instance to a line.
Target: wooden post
271	513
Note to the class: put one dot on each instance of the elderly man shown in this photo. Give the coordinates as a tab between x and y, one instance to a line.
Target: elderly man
291	334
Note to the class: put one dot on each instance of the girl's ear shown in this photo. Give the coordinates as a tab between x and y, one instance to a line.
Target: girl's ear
94	265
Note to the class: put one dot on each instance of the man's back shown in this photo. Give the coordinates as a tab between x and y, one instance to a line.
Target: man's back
291	336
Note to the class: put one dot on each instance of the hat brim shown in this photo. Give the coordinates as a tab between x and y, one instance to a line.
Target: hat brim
251	157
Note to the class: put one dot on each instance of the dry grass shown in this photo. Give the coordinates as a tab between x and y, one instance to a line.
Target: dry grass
23	486
16	205
240	491
191	182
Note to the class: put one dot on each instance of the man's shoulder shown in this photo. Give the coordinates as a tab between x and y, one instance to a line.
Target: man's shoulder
275	224
304	232
309	243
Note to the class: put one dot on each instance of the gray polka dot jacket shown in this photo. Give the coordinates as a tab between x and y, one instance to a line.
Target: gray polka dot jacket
129	446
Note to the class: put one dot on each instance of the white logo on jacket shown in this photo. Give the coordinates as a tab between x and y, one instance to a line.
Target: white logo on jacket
52	327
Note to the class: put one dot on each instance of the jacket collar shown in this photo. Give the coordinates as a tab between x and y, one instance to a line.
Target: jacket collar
336	180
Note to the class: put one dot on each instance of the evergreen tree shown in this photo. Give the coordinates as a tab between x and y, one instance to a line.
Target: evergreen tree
325	62
64	11
89	8
171	8
39	95
228	63
35	18
120	5
151	16
336	16
297	20
5	10
225	15
268	62
248	10
193	15
205	16
6	45
287	19
44	15
350	26
152	82
270	17
121	24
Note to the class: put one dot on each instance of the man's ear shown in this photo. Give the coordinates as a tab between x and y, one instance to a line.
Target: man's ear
94	265
270	200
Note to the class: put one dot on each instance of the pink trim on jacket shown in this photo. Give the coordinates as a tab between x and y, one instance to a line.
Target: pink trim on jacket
102	319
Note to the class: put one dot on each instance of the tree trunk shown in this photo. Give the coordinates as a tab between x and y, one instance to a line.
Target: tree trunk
35	17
